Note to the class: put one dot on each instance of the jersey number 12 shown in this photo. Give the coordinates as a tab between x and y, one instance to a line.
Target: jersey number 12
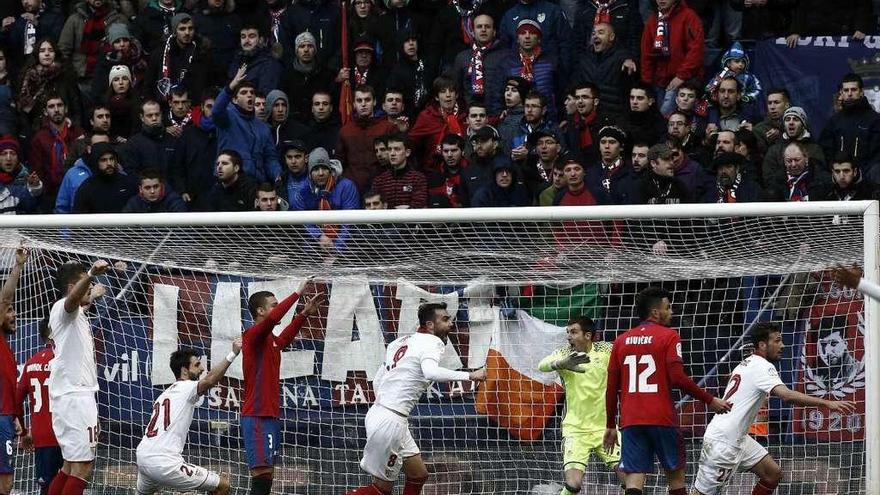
641	385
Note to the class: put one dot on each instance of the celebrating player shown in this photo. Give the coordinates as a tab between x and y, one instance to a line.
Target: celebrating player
159	455
852	278
583	368
727	446
74	378
10	410
412	362
262	383
33	386
645	365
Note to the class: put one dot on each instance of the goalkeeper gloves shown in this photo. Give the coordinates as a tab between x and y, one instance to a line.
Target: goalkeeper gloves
572	362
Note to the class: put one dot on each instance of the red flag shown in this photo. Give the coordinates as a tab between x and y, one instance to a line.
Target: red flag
345	92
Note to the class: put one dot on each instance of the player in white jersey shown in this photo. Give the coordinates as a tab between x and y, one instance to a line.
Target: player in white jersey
160	453
411	363
727	446
74	379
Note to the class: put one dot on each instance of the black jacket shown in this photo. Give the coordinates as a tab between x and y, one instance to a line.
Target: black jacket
143	151
767	21
854	130
102	193
237	197
493	79
192	169
319	17
200	72
625	19
221	29
300	86
605	70
169	203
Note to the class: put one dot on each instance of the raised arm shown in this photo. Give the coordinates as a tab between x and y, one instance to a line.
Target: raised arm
76	295
7	293
799	399
290	331
852	278
219	370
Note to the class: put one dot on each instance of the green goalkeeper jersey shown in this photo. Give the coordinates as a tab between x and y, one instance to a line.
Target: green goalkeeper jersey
584	392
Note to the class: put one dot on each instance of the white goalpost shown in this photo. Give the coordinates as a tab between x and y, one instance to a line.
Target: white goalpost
513	277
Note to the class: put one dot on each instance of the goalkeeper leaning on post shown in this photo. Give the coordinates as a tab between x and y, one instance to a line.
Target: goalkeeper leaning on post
583	368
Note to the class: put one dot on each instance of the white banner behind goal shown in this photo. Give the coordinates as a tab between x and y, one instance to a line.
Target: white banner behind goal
513	278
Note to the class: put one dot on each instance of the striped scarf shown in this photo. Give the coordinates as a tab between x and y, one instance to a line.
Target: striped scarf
528	62
330	230
59	152
603	13
797	187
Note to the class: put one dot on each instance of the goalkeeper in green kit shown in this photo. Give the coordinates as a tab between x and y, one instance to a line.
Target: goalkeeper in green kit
583	368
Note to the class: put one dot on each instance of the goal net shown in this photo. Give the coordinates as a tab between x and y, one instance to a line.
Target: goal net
513	278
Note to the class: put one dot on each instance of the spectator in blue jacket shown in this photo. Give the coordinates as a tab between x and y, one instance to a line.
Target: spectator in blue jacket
556	41
326	189
154	196
295	153
240	130
531	61
76	175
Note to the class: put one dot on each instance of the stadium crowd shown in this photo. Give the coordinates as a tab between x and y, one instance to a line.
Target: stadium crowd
230	105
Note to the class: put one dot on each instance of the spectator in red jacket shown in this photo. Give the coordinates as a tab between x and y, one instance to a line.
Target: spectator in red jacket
400	185
51	145
356	148
441	117
672	49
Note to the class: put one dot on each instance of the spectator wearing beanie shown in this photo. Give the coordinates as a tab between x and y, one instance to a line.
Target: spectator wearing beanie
326	189
318	17
732	184
549	20
796	128
510	105
108	189
80	39
126	50
411	74
183	59
305	76
264	70
19	189
506	190
607	178
534	63
219	24
355	148
155	23
576	193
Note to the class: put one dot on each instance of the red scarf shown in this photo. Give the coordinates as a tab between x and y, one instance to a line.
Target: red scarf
603	13
59	152
360	78
475	67
528	70
93	33
329	230
585	136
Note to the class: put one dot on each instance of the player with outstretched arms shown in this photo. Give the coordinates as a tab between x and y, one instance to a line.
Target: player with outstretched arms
74	379
582	366
261	349
412	362
727	446
33	386
160	454
10	409
645	366
852	278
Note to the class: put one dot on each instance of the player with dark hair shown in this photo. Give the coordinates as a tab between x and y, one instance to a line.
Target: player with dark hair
582	366
160	453
727	446
260	428
412	362
74	379
645	365
33	387
10	408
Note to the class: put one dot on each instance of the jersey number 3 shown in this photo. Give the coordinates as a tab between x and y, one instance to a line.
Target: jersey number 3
641	384
165	407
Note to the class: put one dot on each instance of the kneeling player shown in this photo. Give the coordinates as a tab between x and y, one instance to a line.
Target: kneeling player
412	362
727	446
159	455
582	366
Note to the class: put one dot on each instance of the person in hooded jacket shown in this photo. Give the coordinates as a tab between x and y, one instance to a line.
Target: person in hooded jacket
411	73
847	182
263	69
278	109
399	19
108	189
506	190
735	62
855	129
76	175
154	196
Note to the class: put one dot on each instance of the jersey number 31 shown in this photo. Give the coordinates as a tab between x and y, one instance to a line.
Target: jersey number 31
641	384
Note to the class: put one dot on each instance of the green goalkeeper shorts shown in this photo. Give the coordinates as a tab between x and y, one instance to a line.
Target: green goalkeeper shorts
576	451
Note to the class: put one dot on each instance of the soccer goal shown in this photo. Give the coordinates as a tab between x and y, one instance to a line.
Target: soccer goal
513	278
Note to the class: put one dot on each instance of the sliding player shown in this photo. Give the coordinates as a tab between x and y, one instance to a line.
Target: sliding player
582	366
160	453
412	362
74	379
260	428
645	366
727	446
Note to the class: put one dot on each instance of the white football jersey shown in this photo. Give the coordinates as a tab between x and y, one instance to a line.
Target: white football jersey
73	368
400	383
748	388
172	416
